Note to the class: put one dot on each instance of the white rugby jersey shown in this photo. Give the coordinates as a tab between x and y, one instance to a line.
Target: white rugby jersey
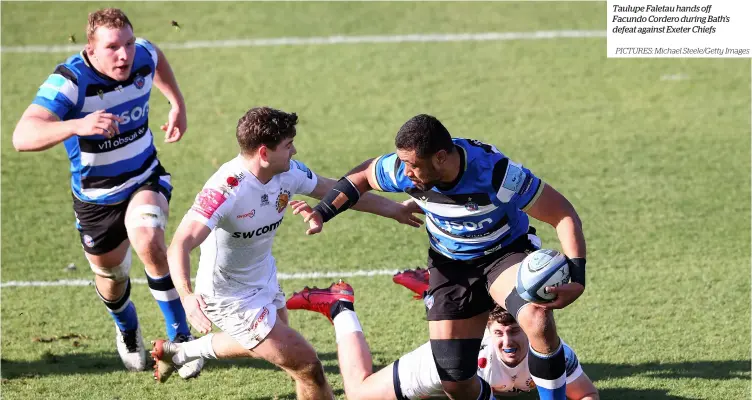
504	378
244	214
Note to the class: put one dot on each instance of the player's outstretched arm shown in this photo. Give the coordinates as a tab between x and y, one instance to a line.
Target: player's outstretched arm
189	235
553	208
165	81
39	129
373	203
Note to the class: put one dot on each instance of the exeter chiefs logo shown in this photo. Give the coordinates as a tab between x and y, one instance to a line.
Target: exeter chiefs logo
139	81
282	200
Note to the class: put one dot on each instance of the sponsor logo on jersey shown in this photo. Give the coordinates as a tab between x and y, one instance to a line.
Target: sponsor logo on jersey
232	181
134	114
482	362
282	201
249	214
258	232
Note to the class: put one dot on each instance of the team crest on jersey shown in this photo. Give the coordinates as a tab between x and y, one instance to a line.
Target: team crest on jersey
139	81
530	383
471	205
264	199
282	200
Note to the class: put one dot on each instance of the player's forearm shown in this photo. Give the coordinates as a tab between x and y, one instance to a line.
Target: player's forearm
359	176
569	231
375	204
179	259
33	134
165	81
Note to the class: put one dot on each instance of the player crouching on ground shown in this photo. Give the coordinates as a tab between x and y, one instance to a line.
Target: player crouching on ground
502	361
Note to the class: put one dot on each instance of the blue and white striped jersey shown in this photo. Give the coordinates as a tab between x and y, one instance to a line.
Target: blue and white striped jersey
106	171
482	212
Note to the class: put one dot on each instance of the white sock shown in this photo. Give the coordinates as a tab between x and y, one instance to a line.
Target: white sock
195	349
346	322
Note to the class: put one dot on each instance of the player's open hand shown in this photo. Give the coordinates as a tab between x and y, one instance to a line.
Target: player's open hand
313	218
405	213
177	124
194	310
565	295
99	123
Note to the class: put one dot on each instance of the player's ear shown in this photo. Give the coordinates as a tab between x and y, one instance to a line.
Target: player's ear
439	158
263	152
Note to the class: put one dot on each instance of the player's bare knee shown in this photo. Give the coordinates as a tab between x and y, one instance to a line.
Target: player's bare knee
149	245
311	371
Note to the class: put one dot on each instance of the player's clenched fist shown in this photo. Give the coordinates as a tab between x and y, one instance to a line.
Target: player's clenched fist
99	123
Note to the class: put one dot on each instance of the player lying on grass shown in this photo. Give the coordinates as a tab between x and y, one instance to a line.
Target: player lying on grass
502	361
235	219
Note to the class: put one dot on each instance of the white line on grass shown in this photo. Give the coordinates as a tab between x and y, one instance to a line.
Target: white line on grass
281	276
339	39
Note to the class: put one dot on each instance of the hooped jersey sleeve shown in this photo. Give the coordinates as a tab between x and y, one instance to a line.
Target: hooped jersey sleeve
389	174
515	184
59	92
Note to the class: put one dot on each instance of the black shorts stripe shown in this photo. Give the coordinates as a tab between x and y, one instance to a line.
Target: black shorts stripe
397	383
98	146
97	89
104	182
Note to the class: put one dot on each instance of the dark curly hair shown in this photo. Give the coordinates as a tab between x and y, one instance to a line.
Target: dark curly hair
264	126
425	135
500	315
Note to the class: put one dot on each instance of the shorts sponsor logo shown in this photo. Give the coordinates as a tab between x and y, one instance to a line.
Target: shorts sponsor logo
260	319
88	241
208	201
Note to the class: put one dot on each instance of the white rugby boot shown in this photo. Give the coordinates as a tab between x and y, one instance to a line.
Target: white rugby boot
130	346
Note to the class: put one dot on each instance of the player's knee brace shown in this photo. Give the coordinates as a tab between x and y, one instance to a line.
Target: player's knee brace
456	359
118	273
147	215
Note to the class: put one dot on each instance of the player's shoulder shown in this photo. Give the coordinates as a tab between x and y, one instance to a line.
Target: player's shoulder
229	177
73	69
299	169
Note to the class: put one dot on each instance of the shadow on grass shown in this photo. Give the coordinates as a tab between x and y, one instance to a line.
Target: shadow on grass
75	364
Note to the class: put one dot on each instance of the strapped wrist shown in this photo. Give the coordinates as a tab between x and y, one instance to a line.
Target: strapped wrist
577	270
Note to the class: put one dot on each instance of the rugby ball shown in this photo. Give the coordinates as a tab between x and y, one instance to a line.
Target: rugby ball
540	269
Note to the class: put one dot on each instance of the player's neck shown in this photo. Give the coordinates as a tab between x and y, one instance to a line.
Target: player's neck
252	164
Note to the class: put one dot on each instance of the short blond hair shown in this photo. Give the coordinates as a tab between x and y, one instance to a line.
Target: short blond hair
107	17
